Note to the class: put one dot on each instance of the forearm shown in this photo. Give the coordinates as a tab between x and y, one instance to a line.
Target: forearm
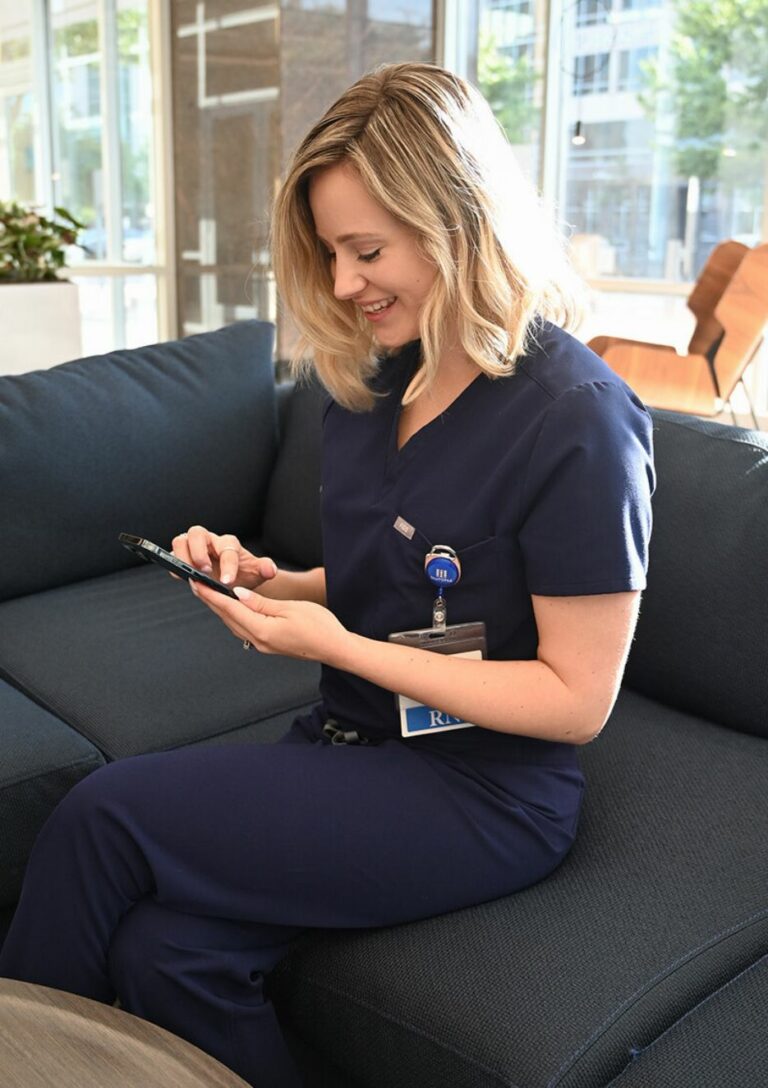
523	697
293	585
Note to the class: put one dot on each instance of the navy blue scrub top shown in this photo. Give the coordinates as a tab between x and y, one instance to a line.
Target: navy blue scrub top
542	483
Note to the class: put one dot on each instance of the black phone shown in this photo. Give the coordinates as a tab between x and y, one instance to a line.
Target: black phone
152	552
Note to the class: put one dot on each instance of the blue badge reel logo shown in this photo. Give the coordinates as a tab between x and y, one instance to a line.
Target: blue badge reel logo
442	570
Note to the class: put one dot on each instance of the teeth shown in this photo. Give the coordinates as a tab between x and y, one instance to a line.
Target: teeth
374	309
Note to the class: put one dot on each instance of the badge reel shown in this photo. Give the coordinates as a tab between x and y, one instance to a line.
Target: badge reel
443	569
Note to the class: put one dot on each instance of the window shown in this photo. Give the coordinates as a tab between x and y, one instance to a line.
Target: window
672	163
590	75
19	152
237	117
510	65
589	12
76	130
635	66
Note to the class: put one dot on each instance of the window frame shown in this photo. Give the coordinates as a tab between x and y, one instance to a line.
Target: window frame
116	271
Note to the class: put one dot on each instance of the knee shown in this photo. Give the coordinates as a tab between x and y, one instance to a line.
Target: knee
136	955
88	813
100	791
80	806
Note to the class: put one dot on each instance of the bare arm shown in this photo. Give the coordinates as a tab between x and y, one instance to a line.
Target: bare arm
566	694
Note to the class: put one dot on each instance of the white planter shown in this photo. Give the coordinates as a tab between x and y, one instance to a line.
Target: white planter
39	326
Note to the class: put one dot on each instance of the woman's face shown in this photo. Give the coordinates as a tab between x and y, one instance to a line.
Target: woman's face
375	261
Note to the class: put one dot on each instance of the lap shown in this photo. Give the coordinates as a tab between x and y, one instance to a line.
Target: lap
313	834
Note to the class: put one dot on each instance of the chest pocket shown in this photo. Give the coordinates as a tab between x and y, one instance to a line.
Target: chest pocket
489	588
484	590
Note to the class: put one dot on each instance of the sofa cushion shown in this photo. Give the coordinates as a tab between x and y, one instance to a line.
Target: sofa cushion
701	637
292	511
139	441
262	731
42	759
661	901
722	1043
136	664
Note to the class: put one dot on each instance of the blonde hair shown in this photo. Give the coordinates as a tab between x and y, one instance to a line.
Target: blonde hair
428	149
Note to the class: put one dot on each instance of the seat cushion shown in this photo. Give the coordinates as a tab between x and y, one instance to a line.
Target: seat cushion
722	1043
136	664
42	759
662	900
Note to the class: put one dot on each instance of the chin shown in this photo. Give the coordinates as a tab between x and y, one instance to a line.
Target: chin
395	339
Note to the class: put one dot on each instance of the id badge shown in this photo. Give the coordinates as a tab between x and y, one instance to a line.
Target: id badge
461	639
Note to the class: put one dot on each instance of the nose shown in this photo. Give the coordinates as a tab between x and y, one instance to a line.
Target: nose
348	279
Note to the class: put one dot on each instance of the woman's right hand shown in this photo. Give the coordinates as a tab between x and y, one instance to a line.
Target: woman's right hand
223	557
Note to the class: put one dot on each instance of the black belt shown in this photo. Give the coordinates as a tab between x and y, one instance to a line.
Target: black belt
342	736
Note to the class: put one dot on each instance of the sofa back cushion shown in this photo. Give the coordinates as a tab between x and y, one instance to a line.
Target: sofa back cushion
292	511
145	441
701	637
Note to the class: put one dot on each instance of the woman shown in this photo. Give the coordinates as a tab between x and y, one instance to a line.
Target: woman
480	468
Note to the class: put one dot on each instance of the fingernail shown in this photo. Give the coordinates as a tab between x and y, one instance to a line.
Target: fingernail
207	569
192	585
242	593
226	579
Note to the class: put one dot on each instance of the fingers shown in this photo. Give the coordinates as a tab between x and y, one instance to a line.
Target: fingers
228	552
254	602
201	548
267	568
223	556
181	547
242	617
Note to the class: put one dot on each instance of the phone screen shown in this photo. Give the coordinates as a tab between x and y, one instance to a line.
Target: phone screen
155	554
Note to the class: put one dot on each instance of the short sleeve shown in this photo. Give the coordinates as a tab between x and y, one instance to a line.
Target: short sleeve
586	517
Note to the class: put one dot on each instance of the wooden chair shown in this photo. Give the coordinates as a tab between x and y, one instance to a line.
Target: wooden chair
702	382
713	279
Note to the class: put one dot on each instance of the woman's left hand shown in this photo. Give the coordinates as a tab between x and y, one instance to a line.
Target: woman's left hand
293	628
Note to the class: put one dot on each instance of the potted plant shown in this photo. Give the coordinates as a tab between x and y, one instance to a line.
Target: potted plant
39	310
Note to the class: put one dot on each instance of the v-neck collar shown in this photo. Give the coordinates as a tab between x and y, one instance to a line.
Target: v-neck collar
397	457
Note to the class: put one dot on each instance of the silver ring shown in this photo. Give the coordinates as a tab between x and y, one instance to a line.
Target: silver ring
246	644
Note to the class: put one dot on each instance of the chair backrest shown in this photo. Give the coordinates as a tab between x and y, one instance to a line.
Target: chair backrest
742	313
713	279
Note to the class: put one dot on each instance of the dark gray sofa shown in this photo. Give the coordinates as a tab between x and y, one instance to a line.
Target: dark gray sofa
640	963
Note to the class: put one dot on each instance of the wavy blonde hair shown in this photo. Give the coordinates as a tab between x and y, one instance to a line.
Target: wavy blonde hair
428	149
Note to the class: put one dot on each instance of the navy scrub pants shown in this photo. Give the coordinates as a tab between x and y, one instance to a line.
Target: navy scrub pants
176	881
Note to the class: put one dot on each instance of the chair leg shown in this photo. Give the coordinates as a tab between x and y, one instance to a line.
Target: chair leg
750	402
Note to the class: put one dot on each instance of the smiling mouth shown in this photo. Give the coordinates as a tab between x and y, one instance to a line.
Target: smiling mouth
378	307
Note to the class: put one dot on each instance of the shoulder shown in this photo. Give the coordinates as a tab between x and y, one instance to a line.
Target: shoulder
557	363
576	389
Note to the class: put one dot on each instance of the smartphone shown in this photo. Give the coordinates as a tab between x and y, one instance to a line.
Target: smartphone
147	550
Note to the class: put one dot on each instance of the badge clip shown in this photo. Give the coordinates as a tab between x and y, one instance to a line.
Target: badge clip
442	567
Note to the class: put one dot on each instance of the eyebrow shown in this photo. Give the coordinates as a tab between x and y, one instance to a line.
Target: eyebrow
353	237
